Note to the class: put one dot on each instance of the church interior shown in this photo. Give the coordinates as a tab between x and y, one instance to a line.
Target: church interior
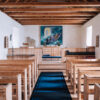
49	50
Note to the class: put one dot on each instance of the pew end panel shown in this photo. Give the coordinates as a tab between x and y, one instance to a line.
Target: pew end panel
6	92
97	92
89	80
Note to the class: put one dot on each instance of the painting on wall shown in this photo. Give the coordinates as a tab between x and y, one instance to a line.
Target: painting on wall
6	42
97	41
51	35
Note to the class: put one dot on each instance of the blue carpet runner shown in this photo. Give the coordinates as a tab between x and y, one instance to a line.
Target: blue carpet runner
51	86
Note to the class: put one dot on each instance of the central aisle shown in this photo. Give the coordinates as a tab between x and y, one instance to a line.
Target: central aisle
51	86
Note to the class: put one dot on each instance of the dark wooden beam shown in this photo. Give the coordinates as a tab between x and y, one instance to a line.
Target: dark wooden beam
55	20
74	4
31	23
51	14
52	17
52	10
50	22
6	1
17	1
26	1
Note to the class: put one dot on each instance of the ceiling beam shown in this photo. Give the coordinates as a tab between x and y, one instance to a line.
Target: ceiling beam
30	18
17	1
33	4
50	22
25	0
32	23
51	10
51	14
56	20
85	0
30	1
6	1
53	17
96	0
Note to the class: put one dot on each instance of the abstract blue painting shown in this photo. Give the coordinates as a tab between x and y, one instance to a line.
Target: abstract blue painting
51	35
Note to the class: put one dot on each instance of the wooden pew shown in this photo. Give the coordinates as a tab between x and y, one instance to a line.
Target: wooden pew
89	80
71	62
81	78
97	92
29	64
6	92
16	82
32	60
75	64
12	71
85	66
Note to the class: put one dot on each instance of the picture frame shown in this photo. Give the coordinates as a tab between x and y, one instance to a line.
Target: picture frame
97	41
6	42
51	35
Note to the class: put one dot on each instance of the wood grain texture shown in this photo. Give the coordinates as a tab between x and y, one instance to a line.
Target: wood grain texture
26	10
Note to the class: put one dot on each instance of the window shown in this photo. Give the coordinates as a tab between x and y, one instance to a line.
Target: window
89	36
15	37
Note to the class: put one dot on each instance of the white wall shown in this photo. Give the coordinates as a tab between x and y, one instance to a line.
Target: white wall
95	22
7	26
71	35
74	36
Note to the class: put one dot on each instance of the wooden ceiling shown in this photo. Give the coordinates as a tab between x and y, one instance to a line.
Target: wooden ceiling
51	12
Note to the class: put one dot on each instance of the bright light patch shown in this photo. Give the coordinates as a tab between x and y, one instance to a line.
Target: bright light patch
15	37
89	36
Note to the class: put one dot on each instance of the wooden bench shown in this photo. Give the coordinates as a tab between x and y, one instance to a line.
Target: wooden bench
97	92
12	71
16	84
85	66
75	64
89	80
28	62
25	64
71	62
6	92
95	71
32	60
